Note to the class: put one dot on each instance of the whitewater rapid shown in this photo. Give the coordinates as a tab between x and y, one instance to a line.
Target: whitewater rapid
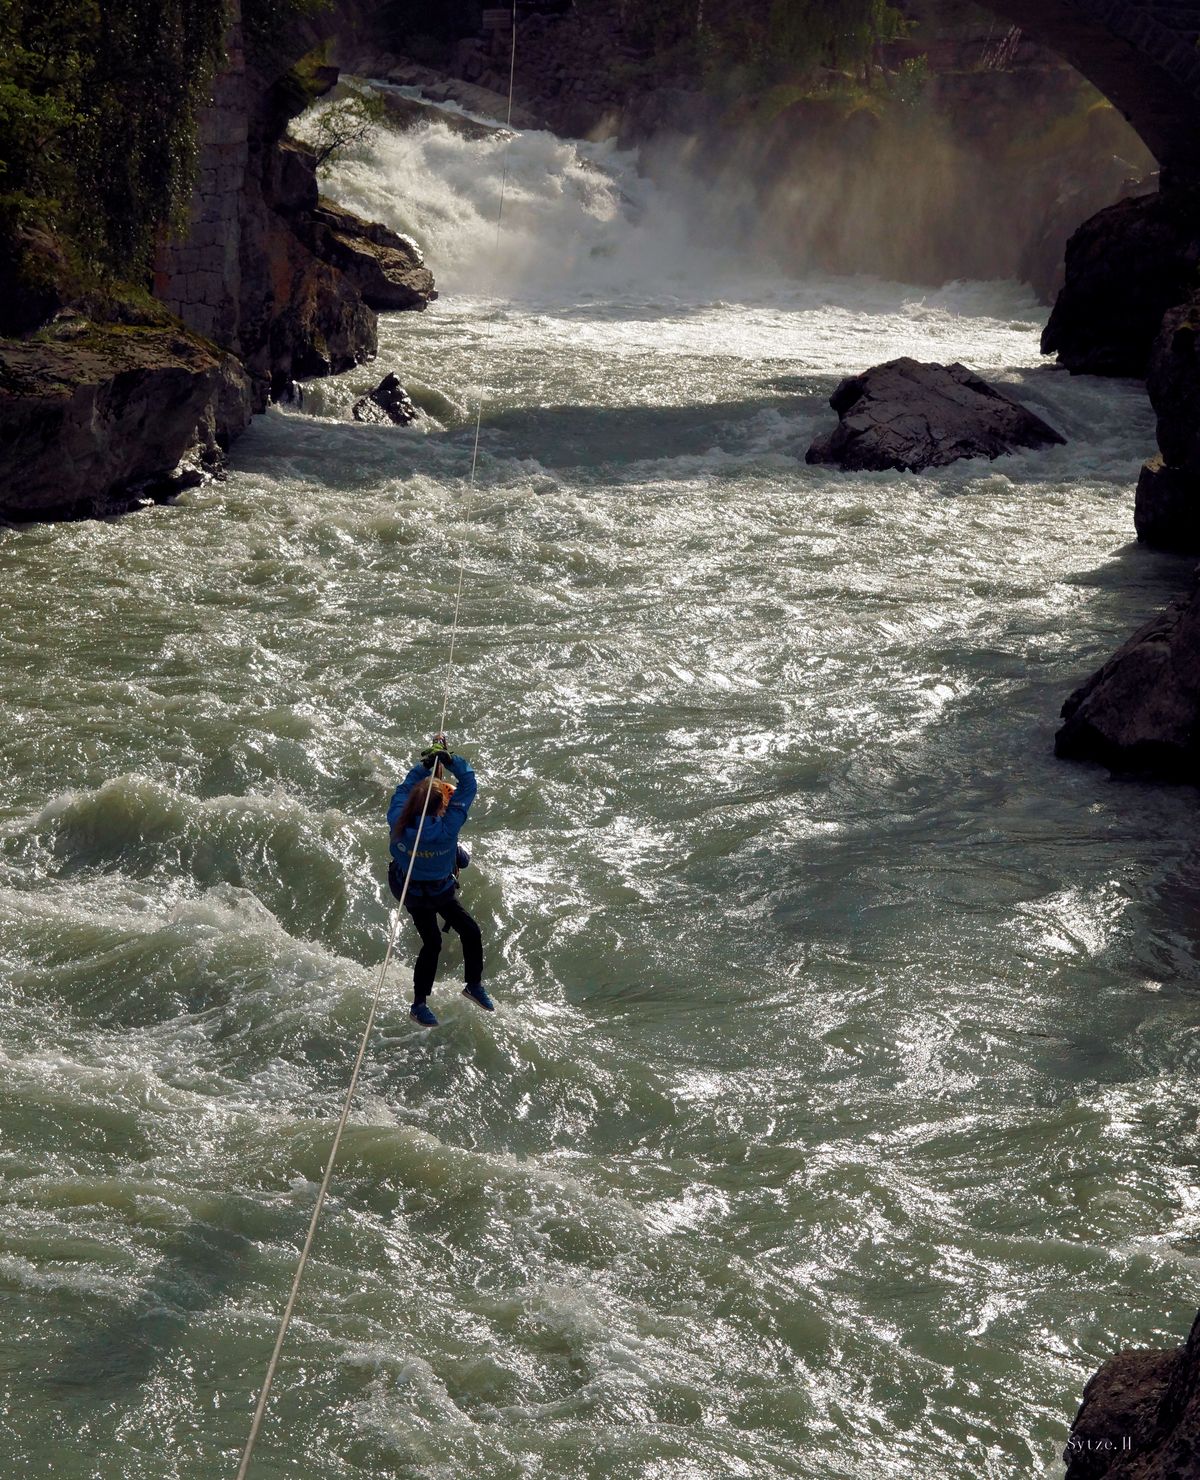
834	1120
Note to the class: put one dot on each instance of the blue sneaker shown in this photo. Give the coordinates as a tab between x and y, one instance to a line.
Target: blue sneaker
422	1013
476	993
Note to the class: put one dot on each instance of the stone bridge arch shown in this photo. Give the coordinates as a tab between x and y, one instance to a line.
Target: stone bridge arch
1141	54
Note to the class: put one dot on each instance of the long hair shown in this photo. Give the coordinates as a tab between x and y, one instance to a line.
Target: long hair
411	811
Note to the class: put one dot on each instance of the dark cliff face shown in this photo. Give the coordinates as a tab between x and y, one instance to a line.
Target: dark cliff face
260	271
1125	267
105	403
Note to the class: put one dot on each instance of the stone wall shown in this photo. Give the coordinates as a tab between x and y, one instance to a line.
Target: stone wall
198	277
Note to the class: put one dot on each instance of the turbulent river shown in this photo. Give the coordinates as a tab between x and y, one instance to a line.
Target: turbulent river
835	1120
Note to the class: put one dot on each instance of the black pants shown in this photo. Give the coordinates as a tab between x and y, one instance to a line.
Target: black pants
425	918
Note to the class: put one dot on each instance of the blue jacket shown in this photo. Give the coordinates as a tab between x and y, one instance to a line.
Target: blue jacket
438	852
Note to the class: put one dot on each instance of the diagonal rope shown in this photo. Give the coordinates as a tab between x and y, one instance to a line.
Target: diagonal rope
286	1320
260	1408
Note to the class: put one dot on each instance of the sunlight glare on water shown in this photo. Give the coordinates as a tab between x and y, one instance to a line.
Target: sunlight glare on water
833	1121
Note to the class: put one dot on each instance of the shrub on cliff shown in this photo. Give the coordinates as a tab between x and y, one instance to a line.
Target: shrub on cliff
335	128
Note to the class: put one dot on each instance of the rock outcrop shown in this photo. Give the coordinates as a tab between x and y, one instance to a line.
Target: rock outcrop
1167	508
266	269
101	399
406	112
387	269
97	418
908	415
1140	1417
1041	262
1141	710
1125	267
388	402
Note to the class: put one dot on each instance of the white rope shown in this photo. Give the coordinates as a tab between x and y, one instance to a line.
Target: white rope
285	1322
260	1408
487	344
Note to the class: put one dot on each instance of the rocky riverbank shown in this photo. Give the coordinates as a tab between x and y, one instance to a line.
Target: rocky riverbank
108	398
1129	307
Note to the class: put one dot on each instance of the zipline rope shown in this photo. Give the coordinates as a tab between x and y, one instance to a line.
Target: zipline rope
260	1408
487	344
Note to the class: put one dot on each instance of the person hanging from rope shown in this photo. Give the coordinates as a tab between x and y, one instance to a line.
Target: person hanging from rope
432	849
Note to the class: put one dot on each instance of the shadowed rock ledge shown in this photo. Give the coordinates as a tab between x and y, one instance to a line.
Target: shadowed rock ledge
387	269
1141	710
1125	267
1140	1417
1130	307
98	418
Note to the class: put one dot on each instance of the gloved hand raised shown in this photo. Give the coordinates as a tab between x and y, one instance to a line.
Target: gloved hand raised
438	751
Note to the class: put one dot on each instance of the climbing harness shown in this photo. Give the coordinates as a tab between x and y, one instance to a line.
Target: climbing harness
260	1408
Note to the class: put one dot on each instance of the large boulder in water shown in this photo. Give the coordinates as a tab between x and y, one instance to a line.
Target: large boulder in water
388	402
909	415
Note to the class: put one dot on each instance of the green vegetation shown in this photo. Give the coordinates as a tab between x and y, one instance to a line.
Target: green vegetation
98	101
98	108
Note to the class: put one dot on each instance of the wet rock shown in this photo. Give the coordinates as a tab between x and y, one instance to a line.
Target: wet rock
386	269
489	102
290	180
908	415
95	418
1141	710
388	402
1166	508
1140	1417
1173	382
226	414
1125	267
